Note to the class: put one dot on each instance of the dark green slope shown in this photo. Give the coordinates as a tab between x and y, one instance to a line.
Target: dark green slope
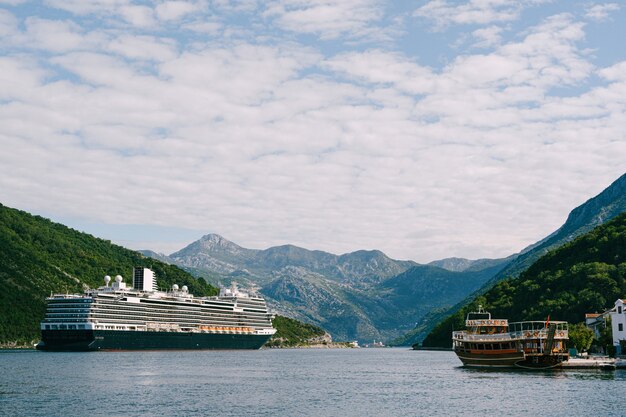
38	257
585	275
290	332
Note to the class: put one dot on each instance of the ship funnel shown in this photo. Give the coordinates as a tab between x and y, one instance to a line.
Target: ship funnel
144	279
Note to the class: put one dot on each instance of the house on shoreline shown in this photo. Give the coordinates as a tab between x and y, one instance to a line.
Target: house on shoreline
617	316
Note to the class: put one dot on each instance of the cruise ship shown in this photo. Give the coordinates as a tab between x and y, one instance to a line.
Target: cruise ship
497	343
114	317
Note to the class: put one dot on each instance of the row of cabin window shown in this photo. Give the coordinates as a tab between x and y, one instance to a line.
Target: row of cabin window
65	326
492	346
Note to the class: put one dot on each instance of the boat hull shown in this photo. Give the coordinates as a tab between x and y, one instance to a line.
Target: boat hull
93	340
511	360
501	360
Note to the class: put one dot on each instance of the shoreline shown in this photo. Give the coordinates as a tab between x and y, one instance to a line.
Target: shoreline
333	345
15	346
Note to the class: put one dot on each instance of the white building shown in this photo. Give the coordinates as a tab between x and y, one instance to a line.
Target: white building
596	322
618	323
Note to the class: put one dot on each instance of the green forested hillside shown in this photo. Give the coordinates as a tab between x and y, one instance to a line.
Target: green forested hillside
586	275
290	332
38	257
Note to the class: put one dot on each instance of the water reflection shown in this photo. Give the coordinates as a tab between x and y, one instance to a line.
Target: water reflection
582	374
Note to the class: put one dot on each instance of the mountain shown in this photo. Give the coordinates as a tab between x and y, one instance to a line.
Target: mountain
453	264
596	211
422	295
421	286
313	298
360	295
39	257
462	264
218	255
582	276
155	255
213	253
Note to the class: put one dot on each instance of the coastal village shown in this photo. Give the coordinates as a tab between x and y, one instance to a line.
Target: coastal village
611	325
613	322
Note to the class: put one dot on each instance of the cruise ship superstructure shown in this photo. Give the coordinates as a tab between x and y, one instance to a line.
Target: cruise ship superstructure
114	317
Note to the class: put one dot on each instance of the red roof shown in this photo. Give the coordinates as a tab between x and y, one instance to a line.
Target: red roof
592	315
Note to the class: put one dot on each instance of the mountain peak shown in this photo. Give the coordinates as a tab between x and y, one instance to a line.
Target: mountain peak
215	239
210	243
453	264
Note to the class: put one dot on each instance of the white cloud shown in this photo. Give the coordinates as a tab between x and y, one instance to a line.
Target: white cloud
236	6
444	13
19	78
80	7
208	27
615	72
8	24
600	12
487	37
376	66
328	19
516	72
53	35
143	47
174	10
138	16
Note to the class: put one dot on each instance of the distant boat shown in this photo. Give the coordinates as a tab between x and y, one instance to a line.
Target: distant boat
119	318
493	343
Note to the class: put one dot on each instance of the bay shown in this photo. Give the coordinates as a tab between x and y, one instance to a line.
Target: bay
293	382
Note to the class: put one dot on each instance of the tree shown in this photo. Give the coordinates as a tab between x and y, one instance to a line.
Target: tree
580	336
606	338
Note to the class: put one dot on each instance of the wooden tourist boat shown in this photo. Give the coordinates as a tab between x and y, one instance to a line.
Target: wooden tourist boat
491	342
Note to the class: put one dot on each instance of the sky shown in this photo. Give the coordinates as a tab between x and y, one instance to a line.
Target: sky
425	129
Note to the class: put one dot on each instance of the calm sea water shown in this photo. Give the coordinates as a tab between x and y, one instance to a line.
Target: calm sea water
293	382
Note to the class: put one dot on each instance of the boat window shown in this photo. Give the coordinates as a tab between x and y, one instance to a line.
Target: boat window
47	327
